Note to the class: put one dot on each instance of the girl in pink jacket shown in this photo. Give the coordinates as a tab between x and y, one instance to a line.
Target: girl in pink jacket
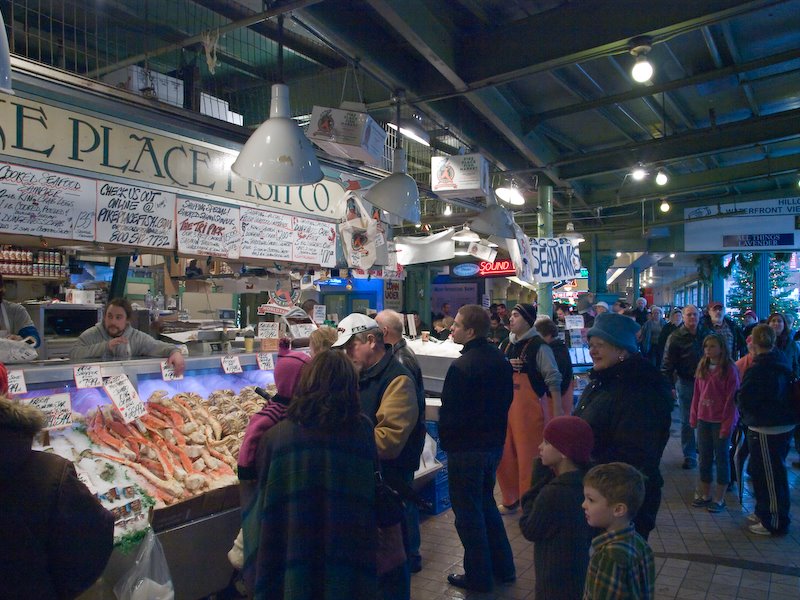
713	414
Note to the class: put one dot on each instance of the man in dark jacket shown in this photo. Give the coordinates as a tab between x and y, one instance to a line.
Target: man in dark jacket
763	402
549	332
389	398
55	537
391	323
681	355
476	395
716	321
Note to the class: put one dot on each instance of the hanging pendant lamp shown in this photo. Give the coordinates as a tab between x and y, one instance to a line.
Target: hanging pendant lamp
494	220
5	60
279	153
398	193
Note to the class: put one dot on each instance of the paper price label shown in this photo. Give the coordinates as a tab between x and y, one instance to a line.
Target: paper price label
56	408
268	330
88	376
574	322
319	313
231	364
168	372
124	396
265	361
16	383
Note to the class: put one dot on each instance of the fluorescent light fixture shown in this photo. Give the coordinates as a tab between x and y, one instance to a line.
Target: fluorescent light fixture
412	131
638	174
511	195
672	255
448	210
619	254
572	235
664	206
5	60
661	177
398	193
466	235
614	275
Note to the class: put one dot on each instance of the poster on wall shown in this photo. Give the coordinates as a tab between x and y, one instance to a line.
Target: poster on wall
393	295
554	259
43	203
135	216
208	229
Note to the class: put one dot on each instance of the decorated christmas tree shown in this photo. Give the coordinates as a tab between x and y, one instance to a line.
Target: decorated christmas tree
741	291
781	289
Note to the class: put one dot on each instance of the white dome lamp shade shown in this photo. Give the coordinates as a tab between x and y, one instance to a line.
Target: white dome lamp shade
572	235
5	60
398	193
495	221
466	235
278	152
510	194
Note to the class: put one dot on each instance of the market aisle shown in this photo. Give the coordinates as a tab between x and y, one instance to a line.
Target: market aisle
698	555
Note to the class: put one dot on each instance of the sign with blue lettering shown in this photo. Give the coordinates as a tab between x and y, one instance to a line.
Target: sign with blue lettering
466	270
758	240
555	259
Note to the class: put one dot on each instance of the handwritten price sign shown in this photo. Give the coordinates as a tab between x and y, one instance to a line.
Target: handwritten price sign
231	364
16	383
122	393
268	330
168	372
88	376
265	361
57	409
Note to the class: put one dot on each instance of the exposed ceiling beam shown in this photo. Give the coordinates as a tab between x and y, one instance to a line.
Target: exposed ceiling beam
689	144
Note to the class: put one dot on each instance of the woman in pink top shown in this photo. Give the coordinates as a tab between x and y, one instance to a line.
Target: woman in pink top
713	413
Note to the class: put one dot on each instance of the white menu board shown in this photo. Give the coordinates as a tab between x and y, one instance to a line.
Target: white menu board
314	242
208	229
266	234
135	216
35	202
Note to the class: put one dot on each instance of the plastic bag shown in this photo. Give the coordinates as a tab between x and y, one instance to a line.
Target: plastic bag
149	578
17	351
359	234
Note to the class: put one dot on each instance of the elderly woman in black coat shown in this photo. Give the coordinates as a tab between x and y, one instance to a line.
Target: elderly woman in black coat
628	404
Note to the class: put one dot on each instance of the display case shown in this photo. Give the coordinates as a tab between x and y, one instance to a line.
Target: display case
197	533
60	324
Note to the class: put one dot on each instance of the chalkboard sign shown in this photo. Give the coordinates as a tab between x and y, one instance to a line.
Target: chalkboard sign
266	234
35	202
135	216
208	229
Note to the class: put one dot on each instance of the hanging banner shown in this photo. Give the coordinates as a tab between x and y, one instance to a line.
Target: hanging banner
135	216
554	259
35	202
208	229
429	248
519	249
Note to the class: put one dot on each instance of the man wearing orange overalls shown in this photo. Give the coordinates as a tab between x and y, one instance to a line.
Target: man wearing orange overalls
537	399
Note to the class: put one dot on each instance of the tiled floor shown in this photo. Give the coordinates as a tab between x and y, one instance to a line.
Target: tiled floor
698	555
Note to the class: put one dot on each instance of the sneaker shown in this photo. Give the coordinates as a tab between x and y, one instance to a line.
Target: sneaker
759	529
700	502
508	510
752	519
688	463
716	507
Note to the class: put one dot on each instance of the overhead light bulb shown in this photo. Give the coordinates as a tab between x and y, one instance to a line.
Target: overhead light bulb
418	225
510	195
664	206
672	255
642	71
619	254
638	174
661	177
448	210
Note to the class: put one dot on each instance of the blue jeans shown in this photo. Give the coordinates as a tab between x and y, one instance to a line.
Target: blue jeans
685	391
487	553
714	452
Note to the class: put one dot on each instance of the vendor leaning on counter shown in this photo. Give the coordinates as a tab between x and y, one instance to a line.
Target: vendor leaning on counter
116	339
15	322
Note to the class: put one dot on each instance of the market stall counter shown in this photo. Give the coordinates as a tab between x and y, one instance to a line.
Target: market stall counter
172	467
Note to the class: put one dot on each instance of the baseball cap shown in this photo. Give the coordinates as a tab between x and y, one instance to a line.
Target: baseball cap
603	304
750	312
352	325
715	304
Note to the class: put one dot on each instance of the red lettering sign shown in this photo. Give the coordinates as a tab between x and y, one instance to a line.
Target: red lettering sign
498	268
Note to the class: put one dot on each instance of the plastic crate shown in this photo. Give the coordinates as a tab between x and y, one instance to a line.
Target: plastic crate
437	493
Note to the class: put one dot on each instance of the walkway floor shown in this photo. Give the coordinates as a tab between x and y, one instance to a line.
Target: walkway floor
698	555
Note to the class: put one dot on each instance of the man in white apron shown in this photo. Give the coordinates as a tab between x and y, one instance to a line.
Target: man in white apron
15	322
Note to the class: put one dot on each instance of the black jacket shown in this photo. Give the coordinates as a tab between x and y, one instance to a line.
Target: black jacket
739	340
629	407
763	397
476	395
683	352
561	352
406	357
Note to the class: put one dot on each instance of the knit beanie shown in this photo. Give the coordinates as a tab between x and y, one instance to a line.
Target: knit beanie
617	330
572	436
528	312
288	368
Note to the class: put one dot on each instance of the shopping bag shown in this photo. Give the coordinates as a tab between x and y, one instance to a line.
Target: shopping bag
149	578
359	233
17	351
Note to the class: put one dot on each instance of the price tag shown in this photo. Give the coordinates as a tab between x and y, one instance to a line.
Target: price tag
88	376
574	322
319	313
57	409
265	361
231	364
16	383
268	330
122	393
380	240
168	372
355	259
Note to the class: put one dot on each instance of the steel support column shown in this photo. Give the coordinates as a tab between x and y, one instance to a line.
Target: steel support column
545	290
